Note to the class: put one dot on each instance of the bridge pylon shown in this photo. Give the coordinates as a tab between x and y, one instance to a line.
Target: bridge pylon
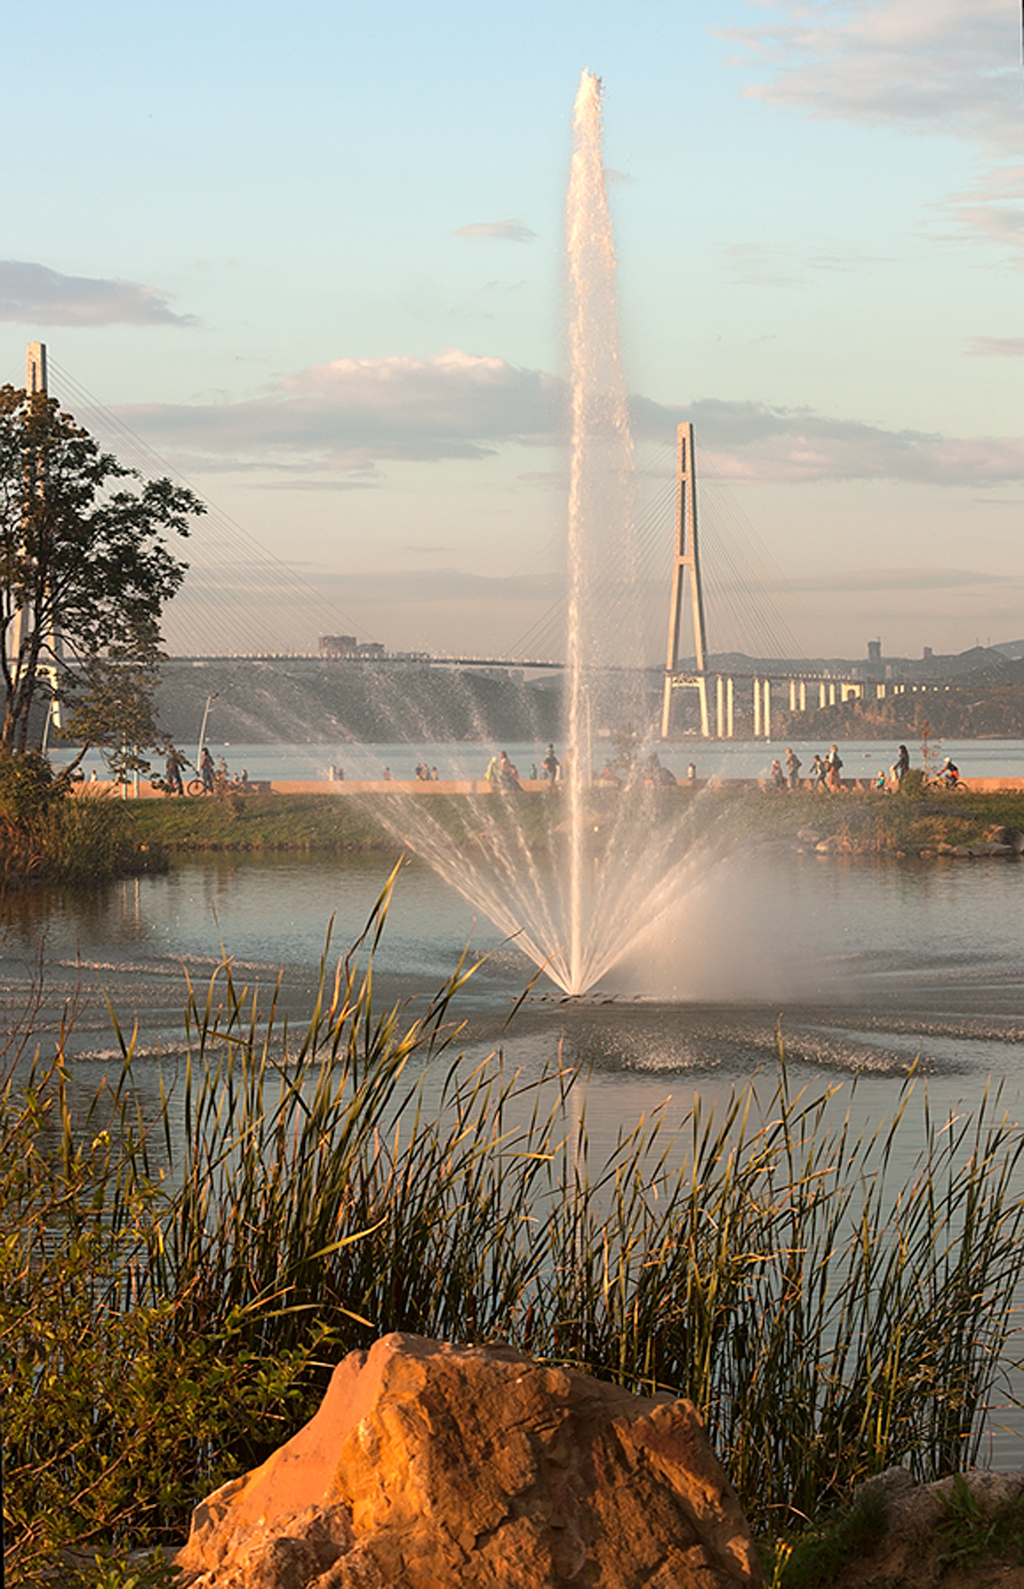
686	569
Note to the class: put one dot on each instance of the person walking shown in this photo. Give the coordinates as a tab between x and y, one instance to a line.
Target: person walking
173	768
793	765
550	766
901	766
834	764
206	770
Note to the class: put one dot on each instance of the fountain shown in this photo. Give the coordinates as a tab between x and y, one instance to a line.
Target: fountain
579	876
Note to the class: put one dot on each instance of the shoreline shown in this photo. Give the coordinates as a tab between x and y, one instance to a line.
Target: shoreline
854	821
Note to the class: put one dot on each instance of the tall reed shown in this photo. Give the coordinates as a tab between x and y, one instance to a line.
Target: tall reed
174	1292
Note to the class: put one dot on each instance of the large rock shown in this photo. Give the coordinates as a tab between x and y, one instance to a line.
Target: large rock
439	1467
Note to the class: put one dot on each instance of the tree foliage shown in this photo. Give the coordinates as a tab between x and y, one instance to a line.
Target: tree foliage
84	575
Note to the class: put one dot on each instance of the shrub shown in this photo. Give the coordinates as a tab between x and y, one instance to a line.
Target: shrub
48	834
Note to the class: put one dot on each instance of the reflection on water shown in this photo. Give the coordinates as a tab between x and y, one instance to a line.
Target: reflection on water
860	966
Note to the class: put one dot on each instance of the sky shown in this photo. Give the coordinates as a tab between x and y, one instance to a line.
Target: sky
311	256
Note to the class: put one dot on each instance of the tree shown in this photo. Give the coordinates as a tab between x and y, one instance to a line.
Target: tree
84	576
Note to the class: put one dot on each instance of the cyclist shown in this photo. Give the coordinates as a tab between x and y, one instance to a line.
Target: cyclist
950	773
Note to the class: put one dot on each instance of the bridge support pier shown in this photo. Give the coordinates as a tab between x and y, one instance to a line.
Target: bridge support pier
762	708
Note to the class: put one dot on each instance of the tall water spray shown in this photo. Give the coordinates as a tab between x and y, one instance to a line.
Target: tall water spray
581	876
603	618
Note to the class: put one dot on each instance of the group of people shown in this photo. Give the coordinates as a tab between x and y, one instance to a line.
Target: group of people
503	773
426	774
825	771
210	773
175	765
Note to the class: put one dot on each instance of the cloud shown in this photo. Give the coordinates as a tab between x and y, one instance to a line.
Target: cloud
335	423
33	294
511	231
998	347
892	579
753	265
748	443
946	66
939	67
343	415
450	584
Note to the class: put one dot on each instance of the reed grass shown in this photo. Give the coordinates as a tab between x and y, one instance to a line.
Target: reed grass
47	835
173	1292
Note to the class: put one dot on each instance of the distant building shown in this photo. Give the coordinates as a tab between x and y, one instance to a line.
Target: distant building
346	645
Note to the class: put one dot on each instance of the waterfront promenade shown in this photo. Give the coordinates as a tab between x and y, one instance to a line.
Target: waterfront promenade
468	786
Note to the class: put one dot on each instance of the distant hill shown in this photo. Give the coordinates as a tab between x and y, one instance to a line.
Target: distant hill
301	702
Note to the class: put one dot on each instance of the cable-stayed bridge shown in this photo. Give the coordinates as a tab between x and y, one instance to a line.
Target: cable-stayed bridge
716	586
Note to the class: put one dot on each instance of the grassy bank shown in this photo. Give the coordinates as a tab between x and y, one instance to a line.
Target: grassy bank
258	822
173	1292
858	822
49	836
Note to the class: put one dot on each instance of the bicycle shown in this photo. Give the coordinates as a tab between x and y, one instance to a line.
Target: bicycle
947	785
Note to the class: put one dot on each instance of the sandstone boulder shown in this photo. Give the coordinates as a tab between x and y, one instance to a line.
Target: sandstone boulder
921	1528
431	1466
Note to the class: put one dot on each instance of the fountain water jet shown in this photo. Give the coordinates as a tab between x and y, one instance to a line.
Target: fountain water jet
576	903
600	518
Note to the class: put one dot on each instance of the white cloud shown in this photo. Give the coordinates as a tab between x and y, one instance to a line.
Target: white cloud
510	231
940	67
334	423
345	414
32	294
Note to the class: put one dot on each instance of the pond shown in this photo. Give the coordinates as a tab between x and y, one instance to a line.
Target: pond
864	970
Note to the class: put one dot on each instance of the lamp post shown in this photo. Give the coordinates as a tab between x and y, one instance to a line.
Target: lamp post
199	754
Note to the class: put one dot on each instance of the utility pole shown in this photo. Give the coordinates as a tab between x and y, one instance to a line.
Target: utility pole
35	382
36	385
